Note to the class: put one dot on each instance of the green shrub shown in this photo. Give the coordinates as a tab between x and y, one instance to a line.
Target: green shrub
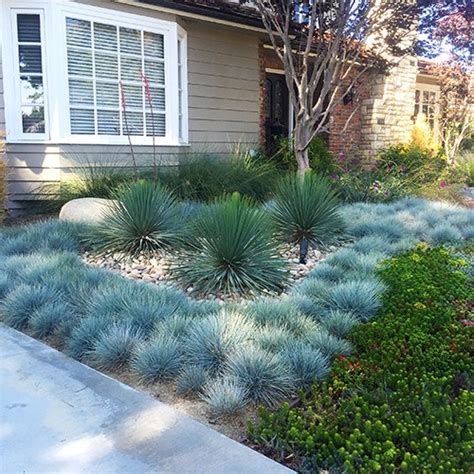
231	249
465	165
321	160
305	211
403	402
144	219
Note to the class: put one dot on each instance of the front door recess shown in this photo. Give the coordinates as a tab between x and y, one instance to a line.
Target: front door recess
277	114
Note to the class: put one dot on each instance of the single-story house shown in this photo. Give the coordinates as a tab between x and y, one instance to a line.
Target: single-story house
69	66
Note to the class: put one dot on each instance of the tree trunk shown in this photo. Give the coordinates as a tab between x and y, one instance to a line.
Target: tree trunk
304	251
301	153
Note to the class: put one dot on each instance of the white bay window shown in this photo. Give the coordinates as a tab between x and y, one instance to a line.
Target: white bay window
110	75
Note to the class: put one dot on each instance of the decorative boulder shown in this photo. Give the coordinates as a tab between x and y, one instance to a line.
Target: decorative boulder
87	210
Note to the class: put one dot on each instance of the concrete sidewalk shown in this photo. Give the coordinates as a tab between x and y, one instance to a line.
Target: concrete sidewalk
58	415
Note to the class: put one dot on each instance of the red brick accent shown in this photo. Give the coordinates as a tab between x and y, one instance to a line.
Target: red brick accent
342	137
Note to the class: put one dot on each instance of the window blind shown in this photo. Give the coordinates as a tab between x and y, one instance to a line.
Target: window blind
30	73
107	92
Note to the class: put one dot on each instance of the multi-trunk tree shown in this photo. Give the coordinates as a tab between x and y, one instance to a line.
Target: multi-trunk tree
326	46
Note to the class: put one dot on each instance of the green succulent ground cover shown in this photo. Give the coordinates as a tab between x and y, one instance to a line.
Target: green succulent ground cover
403	401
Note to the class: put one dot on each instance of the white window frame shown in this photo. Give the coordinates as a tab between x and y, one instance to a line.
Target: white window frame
54	49
423	87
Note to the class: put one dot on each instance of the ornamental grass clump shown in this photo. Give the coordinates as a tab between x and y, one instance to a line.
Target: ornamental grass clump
263	375
49	318
84	335
19	305
328	344
159	359
231	249
225	396
113	347
443	234
142	220
305	212
306	363
210	341
339	323
191	379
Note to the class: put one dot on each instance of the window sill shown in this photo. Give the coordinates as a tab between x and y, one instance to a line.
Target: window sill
94	141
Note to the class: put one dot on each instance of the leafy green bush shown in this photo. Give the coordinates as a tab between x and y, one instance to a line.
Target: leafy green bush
321	160
465	165
142	220
231	249
403	401
305	211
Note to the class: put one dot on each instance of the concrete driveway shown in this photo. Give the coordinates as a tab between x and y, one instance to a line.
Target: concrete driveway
58	415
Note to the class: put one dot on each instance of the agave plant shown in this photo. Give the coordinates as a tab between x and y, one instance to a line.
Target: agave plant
305	211
142	220
231	249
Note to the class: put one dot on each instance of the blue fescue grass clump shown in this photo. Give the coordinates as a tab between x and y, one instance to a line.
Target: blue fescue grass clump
191	379
6	285
263	374
306	363
444	234
176	325
273	338
370	244
328	344
160	359
361	298
19	304
83	336
325	271
114	346
211	340
281	313
339	323
468	232
225	396
49	318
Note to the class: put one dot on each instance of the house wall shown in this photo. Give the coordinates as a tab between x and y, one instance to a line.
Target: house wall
223	108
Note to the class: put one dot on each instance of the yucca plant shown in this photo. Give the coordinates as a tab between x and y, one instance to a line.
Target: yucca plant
231	249
305	211
142	220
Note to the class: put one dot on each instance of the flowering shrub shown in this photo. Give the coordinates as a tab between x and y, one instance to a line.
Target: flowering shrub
403	401
393	172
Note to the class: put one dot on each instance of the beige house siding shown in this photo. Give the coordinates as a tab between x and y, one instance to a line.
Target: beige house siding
223	108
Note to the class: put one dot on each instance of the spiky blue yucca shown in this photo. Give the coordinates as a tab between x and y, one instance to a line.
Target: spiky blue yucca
339	323
19	304
443	234
231	249
263	374
49	318
191	379
143	219
328	344
84	335
306	363
225	396
306	210
273	338
159	359
114	346
362	298
282	313
211	340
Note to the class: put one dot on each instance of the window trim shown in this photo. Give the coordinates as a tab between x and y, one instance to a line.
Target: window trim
57	104
422	86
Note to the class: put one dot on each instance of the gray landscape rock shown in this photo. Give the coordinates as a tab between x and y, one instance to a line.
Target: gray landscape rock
88	210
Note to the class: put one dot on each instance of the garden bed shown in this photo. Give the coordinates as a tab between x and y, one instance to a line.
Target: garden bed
184	350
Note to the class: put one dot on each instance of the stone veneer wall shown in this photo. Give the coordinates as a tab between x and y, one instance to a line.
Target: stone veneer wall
387	113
